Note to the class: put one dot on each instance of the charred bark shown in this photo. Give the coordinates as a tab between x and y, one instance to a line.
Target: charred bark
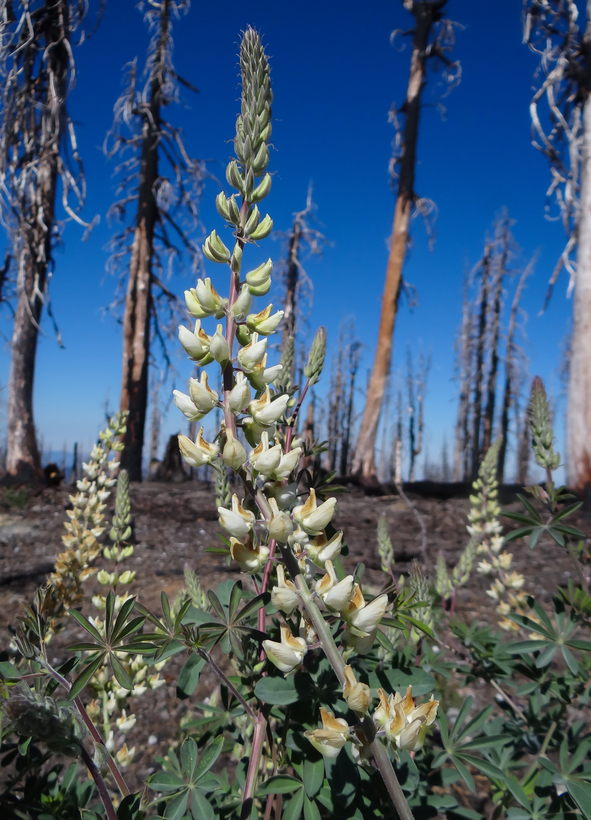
138	301
426	15
479	363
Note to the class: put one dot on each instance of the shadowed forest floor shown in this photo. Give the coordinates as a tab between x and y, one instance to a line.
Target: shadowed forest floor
175	523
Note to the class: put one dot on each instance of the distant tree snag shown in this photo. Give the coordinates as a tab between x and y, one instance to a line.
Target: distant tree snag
427	15
36	135
563	134
157	198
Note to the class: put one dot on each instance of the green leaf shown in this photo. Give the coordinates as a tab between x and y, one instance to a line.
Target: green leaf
581	794
486	741
85	676
535	536
313	775
215	602
208	757
572	508
483	765
188	757
201	808
464	773
530	508
516	790
166	782
545	657
120	672
570	660
189	677
85	623
177	806
253	606
122	617
462	715
283	691
293	809
281	784
310	809
524	647
422	682
235	598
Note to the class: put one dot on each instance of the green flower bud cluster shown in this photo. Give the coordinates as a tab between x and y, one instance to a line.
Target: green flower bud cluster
86	522
420	586
195	590
121	550
316	356
541	427
32	715
385	548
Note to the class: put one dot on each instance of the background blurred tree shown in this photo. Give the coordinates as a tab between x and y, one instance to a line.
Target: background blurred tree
563	133
37	149
428	20
165	208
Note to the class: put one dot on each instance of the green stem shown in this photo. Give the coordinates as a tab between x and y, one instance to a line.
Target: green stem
224	678
542	752
331	651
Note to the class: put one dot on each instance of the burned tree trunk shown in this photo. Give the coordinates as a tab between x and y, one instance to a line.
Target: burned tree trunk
291	280
464	353
479	363
510	365
138	300
495	329
37	67
426	14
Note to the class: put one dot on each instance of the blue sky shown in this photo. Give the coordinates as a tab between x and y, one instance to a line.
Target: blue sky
335	76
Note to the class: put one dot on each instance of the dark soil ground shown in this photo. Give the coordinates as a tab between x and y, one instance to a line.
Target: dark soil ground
175	523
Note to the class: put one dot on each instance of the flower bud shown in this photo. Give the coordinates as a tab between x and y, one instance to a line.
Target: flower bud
250	558
196	344
332	737
316	356
261	191
321	549
265	227
284	595
242	304
280	525
194	306
219	347
240	394
313	518
259	279
214	249
267	412
199	452
126	577
253	353
357	695
253	431
203	397
263	322
237	521
263	458
208	297
233	454
287	655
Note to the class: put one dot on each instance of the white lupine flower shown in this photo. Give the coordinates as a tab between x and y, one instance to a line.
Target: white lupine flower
263	322
196	343
237	521
251	559
334	593
208	297
361	617
186	406
484	568
243	302
199	452
284	595
332	737
320	549
219	348
261	375
194	306
288	654
253	353
287	464
313	518
358	695
267	412
263	458
240	394
233	454
280	525
202	396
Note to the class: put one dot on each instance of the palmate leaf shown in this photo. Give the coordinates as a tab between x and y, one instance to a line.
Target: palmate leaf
85	623
282	784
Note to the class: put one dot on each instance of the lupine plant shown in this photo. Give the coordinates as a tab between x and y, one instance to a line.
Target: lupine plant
326	693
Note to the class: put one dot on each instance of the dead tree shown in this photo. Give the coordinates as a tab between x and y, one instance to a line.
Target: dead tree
463	365
428	20
37	149
354	354
503	251
165	211
416	402
484	266
512	356
563	133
